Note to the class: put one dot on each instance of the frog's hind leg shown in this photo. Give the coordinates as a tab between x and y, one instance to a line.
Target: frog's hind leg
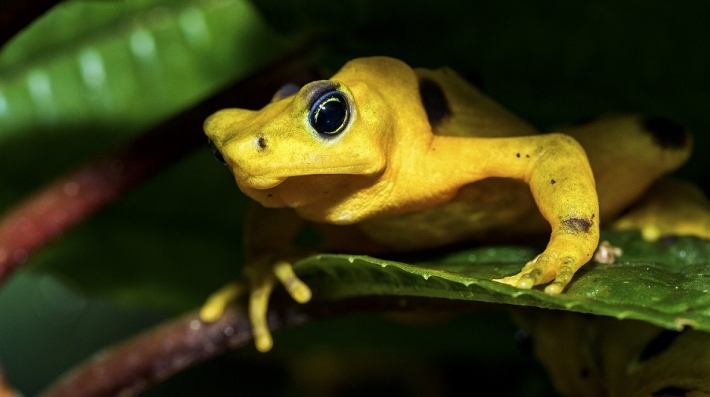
628	153
670	207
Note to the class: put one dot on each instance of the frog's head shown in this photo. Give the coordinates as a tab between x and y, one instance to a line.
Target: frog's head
342	126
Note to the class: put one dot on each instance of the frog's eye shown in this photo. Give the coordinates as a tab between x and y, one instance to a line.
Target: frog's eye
215	152
329	113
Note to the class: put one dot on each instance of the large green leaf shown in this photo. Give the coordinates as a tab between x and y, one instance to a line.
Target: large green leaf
88	75
133	60
664	283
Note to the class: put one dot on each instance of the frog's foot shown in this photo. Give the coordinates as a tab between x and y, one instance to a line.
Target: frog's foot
563	256
542	269
671	207
262	276
260	291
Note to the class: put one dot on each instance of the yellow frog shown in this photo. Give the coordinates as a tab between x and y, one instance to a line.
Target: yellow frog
385	158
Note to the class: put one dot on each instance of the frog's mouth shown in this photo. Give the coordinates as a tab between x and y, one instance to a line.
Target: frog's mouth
262	182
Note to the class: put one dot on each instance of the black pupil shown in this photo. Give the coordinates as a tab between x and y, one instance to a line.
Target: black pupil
215	152
330	114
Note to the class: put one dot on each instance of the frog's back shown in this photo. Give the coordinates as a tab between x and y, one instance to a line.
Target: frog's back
455	107
627	153
481	211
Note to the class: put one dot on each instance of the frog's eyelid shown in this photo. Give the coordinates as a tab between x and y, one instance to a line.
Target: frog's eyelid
316	89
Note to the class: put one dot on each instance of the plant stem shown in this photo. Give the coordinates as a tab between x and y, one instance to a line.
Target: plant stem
134	365
137	364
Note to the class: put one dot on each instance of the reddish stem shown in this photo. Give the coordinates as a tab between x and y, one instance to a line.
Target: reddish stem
135	365
131	367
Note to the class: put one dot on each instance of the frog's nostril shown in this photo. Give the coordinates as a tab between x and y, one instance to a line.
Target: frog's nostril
260	142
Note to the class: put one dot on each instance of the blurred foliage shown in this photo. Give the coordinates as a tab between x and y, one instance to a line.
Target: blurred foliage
90	74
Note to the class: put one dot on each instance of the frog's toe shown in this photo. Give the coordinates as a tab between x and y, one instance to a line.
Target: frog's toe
542	269
532	274
215	305
556	287
258	307
523	280
651	233
295	287
262	277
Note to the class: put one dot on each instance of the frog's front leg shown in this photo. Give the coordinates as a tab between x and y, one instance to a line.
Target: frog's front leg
555	167
270	253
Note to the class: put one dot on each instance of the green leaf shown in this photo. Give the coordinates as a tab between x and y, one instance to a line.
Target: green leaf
136	59
88	75
664	283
